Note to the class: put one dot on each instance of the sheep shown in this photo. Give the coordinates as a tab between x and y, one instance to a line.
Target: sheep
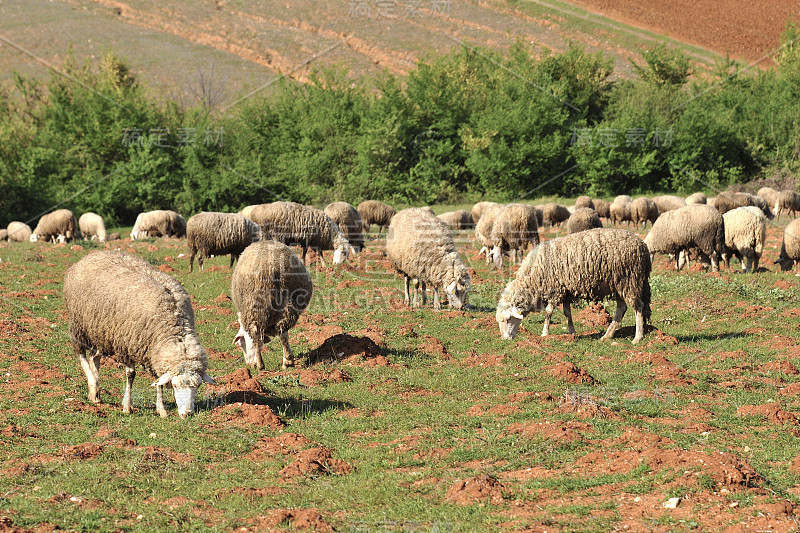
553	214
693	226
590	265
59	225
668	203
270	288
429	209
790	246
583	219
769	195
121	306
643	210
788	201
420	246
460	219
3	235
514	227
18	231
479	209
745	233
603	207
292	223
620	210
696	198
349	221
584	201
158	223
728	200
247	210
483	229
92	227
375	212
210	233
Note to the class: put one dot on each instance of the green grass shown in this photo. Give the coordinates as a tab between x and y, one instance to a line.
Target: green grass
410	430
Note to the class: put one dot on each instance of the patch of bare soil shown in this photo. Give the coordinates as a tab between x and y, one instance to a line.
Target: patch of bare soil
283	444
241	387
434	346
314	378
346	348
570	373
564	431
297	519
315	462
486	360
782	366
82	452
594	315
251	415
483	488
770	411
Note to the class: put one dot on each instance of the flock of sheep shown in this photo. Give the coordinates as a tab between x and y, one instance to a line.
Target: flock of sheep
119	304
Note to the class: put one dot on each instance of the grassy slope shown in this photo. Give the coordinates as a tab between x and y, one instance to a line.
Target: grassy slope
411	430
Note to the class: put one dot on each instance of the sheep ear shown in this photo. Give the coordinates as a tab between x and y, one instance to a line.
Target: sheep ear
209	379
163	380
451	287
516	313
242	339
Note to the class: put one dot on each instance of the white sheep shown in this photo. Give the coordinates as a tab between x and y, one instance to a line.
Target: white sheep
669	202
18	231
60	225
515	226
745	234
584	218
270	289
788	202
553	213
696	198
483	229
643	210
421	247
213	234
620	210
479	209
121	306
375	212
589	265
692	226
158	223
349	221
293	223
92	227
790	246
459	219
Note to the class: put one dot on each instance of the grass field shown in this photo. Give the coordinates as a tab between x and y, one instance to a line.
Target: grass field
421	420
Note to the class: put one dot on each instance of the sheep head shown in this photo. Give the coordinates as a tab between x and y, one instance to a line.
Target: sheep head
459	286
186	380
509	316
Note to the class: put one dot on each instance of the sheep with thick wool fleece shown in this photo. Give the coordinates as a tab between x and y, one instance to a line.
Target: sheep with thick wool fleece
643	210
515	226
18	231
211	233
92	227
420	246
375	212
745	234
590	265
583	219
270	289
158	223
59	225
349	221
119	305
693	226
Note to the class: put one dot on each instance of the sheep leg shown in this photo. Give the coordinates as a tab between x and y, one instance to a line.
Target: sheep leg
437	306
233	258
568	314
639	326
714	262
756	259
89	367
681	260
321	255
288	357
612	328
160	402
424	289
127	405
406	297
191	261
200	260
548	313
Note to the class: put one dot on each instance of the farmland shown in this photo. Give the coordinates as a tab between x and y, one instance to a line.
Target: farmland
397	419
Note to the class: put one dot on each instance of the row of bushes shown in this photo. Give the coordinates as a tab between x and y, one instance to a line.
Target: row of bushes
472	124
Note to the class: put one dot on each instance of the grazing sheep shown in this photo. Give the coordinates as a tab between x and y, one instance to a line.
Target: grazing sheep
745	234
457	220
92	227
3	235
60	225
270	288
479	209
602	207
620	210
515	226
584	201
583	219
590	265
788	202
247	210
790	246
429	209
728	200
420	246
483	229
210	233
158	223
292	223
643	210
349	221
693	226
553	214
375	212
696	198
669	203
18	232
770	196
121	306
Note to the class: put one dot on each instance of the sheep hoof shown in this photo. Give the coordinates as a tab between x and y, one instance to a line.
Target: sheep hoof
163	413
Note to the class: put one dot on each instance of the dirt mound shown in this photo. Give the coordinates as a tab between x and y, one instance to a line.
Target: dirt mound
782	366
241	387
298	519
344	347
565	432
434	346
283	444
570	373
594	315
315	462
772	412
222	298
253	415
478	489
313	378
166	269
82	452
